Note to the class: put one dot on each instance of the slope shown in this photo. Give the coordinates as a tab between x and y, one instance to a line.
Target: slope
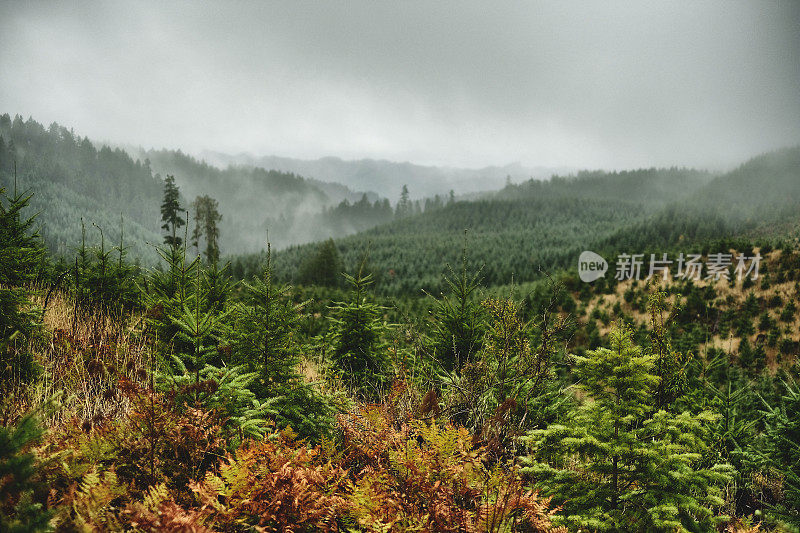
545	225
516	233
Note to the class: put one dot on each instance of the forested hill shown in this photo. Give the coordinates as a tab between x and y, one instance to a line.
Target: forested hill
545	225
78	185
72	180
650	187
515	232
759	198
759	189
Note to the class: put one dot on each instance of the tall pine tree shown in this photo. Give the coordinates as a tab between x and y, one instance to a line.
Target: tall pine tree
171	213
404	206
324	267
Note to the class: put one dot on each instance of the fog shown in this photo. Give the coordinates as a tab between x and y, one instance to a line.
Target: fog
465	84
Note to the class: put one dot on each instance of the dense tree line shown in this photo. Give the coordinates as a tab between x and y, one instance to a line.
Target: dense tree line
537	225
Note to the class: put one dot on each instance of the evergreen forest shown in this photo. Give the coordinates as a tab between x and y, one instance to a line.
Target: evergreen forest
191	348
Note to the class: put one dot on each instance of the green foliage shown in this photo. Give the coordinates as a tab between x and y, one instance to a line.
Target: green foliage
200	327
776	455
18	472
264	339
263	336
187	307
21	257
619	466
360	352
225	391
324	268
508	387
731	396
458	321
103	278
669	365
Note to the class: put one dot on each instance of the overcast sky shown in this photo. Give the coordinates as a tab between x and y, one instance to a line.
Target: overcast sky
583	84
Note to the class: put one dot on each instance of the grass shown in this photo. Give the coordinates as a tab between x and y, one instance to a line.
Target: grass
82	355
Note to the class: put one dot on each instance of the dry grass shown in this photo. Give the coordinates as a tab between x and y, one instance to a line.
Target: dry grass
83	355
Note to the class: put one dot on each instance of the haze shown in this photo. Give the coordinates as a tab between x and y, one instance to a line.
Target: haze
466	84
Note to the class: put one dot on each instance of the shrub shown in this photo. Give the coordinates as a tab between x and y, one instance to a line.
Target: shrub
278	485
429	477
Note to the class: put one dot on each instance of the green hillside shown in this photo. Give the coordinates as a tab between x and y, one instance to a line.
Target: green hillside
545	225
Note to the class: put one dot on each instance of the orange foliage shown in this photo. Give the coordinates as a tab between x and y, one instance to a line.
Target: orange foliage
163	468
277	485
426	477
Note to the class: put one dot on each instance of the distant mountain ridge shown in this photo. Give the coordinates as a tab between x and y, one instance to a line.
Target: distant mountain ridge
386	178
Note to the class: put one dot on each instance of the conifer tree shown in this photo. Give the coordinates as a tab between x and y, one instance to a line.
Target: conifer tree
508	386
323	268
620	467
459	321
188	307
171	213
206	219
777	454
103	277
264	340
670	365
20	255
404	206
359	350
